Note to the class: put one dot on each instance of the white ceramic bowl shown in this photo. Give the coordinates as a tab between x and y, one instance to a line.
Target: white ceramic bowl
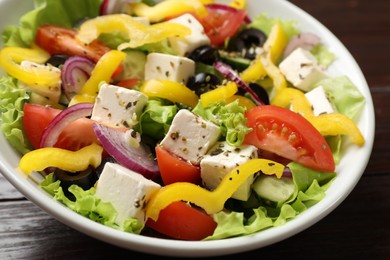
349	170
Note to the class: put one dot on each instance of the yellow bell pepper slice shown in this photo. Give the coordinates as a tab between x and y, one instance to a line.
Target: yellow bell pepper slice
273	48
168	8
337	124
221	93
103	71
72	161
242	101
211	201
238	4
170	90
10	58
276	42
137	33
254	72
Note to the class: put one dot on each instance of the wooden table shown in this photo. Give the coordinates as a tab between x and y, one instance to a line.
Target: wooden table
358	228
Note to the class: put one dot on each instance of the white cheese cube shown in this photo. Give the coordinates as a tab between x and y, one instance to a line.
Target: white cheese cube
51	92
319	101
185	45
301	69
221	160
127	191
190	136
162	66
118	107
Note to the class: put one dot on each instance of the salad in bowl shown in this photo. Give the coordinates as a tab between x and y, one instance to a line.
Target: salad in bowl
195	121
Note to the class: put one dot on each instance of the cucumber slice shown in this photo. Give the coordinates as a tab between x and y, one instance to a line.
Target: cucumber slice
235	61
273	189
133	65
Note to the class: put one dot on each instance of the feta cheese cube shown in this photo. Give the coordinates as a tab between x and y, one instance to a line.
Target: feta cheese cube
319	101
168	67
185	45
126	190
221	160
301	69
50	92
190	136
117	106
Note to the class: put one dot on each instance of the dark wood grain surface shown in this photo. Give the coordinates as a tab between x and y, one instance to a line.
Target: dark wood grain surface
358	228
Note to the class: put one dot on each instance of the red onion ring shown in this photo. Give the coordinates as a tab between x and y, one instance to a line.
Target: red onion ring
116	143
304	40
74	74
230	74
65	117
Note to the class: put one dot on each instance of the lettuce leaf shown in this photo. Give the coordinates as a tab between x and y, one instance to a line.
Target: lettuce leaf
156	118
12	100
323	55
265	23
344	95
310	187
88	205
55	12
229	117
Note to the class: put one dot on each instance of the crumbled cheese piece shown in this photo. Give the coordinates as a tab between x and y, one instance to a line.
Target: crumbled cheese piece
117	106
162	66
190	136
301	69
126	190
185	45
221	160
319	101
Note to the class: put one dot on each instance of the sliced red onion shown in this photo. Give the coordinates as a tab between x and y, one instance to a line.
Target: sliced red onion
117	144
75	72
104	7
65	117
287	172
113	6
222	7
232	75
304	40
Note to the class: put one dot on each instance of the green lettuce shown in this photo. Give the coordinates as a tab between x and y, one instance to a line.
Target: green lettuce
55	12
265	23
229	117
156	118
88	205
323	55
310	187
12	100
344	95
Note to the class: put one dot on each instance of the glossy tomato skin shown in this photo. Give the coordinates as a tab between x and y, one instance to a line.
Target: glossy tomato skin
60	40
75	136
288	134
181	221
221	24
173	169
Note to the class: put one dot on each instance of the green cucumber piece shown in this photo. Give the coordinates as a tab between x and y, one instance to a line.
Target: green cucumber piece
235	61
272	188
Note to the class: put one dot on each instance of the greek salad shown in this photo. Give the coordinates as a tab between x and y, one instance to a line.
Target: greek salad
176	119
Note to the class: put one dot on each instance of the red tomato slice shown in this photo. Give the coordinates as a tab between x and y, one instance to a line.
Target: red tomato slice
173	169
75	136
221	23
181	221
286	133
61	40
128	83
